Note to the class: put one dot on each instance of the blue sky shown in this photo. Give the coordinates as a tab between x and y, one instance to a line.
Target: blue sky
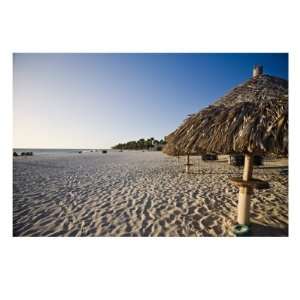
98	100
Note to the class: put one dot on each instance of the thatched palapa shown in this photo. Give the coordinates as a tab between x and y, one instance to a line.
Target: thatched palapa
171	149
250	119
253	117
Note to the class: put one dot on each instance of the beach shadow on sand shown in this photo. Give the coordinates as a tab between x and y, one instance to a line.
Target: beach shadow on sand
279	168
268	231
211	173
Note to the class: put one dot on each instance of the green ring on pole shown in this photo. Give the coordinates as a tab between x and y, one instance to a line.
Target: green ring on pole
241	230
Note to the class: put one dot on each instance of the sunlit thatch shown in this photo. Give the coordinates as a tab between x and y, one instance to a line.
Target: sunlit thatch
253	117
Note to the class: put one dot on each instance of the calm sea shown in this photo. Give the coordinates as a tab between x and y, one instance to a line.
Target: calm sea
44	151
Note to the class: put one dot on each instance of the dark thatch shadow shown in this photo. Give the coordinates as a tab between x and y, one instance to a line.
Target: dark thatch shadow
267	230
273	167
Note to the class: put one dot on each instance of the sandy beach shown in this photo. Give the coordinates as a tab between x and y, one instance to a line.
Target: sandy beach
134	193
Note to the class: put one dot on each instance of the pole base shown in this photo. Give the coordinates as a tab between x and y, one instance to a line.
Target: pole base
241	230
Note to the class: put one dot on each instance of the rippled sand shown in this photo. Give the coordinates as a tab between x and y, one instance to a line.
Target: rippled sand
139	194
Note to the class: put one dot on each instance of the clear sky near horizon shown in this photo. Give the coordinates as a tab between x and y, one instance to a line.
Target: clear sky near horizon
99	100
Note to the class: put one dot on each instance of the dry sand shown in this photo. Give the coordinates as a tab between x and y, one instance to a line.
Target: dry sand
135	193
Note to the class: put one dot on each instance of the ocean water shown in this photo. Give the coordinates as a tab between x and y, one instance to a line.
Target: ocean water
37	151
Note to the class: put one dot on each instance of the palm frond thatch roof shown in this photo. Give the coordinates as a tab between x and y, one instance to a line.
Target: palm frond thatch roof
253	117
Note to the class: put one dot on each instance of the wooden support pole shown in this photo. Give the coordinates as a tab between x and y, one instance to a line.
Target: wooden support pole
188	164
245	192
244	206
248	167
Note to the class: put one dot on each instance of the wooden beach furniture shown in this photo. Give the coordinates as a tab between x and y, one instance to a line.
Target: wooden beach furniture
238	160
246	184
207	157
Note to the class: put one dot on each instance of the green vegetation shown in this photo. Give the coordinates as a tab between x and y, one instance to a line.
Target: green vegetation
141	144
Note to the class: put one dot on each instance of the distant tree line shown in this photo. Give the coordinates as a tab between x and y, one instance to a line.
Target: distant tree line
141	144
